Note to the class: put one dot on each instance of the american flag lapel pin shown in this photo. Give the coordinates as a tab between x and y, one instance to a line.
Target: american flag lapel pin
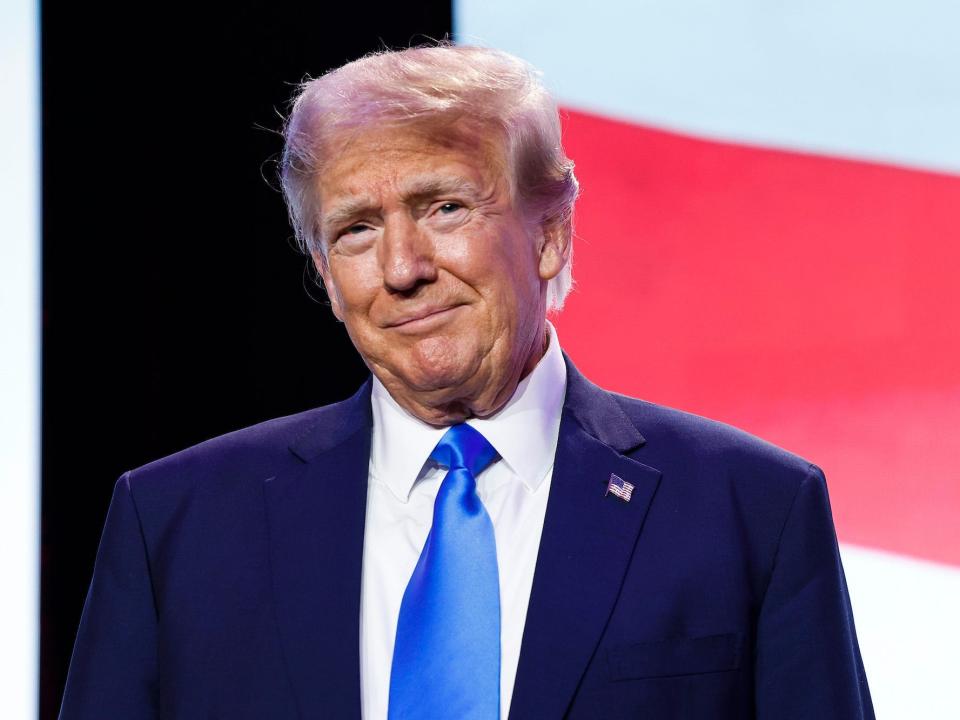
619	487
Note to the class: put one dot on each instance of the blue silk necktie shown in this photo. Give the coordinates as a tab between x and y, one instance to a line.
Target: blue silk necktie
446	660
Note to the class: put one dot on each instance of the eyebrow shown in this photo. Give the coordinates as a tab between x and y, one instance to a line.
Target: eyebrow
415	190
344	211
420	188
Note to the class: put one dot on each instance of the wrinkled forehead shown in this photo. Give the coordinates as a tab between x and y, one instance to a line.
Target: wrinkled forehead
410	162
471	139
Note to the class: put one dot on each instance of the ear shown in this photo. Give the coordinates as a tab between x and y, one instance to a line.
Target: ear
554	248
323	267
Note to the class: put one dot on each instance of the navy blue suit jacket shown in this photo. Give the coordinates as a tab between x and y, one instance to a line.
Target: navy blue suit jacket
227	583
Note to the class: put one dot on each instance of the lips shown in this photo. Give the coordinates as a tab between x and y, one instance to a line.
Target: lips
422	316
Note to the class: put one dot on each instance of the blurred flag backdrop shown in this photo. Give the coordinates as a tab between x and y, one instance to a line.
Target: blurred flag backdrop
769	235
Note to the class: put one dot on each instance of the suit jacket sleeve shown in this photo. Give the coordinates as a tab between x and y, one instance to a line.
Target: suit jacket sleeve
808	662
114	660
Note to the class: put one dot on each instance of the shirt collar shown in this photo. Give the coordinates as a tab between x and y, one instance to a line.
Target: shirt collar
524	432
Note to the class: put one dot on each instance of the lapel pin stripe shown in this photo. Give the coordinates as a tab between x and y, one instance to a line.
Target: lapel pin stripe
619	487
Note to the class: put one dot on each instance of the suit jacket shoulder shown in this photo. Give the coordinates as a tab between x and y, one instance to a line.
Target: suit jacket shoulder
732	602
671	431
199	550
225	464
724	480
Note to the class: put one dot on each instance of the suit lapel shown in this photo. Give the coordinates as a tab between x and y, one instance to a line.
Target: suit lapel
587	542
316	516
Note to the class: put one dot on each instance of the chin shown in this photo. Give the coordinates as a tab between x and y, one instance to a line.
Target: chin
440	364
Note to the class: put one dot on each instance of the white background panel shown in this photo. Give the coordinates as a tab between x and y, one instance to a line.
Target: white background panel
19	359
873	79
908	620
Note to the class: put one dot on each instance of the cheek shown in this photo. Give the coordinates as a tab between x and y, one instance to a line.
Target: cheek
355	283
493	258
510	272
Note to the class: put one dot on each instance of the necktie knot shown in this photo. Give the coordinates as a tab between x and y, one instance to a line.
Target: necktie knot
464	447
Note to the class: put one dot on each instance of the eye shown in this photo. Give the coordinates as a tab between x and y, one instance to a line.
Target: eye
354	229
448	208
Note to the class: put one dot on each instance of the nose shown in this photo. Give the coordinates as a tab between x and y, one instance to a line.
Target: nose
406	255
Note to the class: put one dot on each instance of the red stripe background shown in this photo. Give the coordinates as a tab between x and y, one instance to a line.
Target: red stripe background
813	301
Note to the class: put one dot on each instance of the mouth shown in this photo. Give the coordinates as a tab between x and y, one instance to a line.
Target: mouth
424	319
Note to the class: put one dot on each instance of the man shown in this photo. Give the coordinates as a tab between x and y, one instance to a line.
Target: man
479	531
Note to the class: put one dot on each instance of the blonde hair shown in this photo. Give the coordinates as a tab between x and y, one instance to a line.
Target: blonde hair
426	85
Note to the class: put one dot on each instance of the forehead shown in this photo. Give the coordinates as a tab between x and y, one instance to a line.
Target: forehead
379	158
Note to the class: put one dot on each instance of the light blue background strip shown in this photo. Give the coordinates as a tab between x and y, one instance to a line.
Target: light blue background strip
19	358
873	79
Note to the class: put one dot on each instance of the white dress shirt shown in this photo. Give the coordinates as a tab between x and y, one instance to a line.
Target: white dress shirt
403	484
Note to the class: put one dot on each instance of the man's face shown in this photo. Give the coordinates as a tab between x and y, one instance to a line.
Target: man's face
433	268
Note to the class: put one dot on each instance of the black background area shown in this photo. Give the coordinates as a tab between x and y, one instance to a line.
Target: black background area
175	306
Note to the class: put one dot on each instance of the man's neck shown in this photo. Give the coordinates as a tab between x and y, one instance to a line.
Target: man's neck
440	409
